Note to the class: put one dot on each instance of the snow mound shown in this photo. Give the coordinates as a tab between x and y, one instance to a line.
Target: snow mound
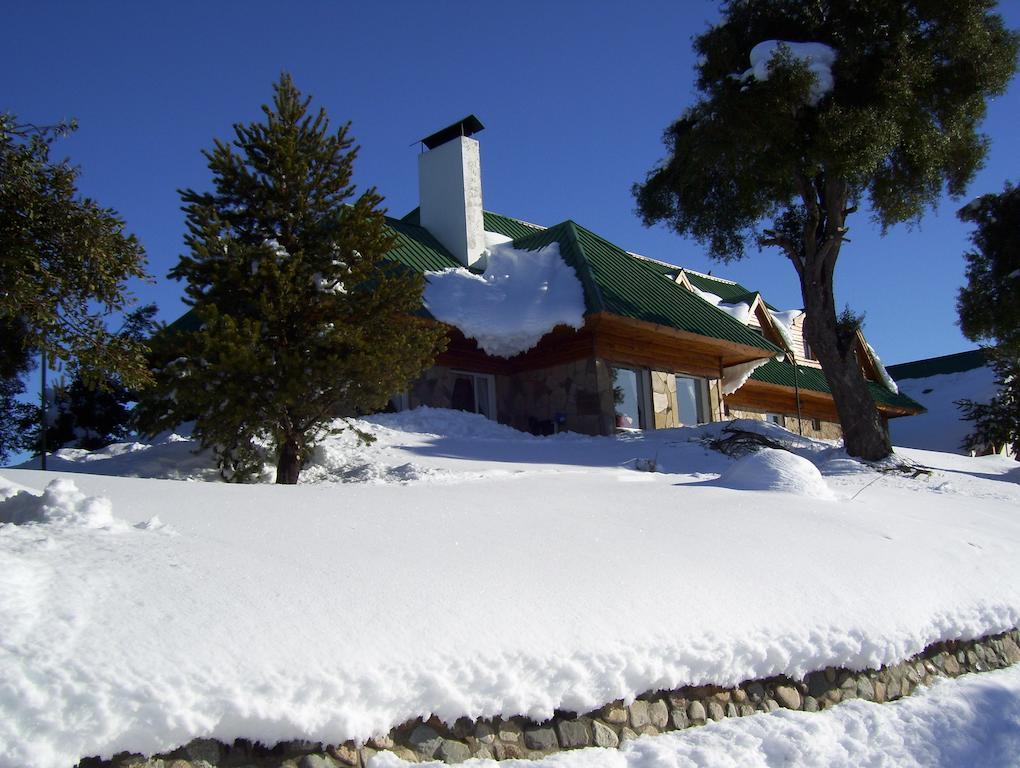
818	57
771	469
521	296
444	421
61	504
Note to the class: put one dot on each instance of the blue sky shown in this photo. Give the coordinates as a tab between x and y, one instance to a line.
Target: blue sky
574	96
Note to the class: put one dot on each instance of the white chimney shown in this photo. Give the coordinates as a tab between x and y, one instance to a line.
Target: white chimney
450	190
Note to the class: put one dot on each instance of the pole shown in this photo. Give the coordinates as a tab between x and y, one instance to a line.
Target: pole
796	388
42	416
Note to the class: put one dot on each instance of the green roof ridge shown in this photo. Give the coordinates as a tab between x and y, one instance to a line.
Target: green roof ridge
938	366
811	378
660	300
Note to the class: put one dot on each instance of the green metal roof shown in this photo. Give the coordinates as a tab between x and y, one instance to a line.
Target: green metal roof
937	366
493	222
417	248
782	373
613	280
617	282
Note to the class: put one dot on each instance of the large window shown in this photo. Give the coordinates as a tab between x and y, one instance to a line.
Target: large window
692	400
630	398
474	392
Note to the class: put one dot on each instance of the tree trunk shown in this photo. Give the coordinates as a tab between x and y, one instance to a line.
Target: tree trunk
863	433
288	467
826	204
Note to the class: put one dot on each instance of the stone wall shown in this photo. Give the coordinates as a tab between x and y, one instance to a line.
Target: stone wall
531	398
434	388
664	406
827	430
608	726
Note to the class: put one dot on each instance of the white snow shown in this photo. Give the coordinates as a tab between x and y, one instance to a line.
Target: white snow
521	296
784	323
818	57
469	570
772	469
942	428
883	374
973	720
739	310
736	376
60	504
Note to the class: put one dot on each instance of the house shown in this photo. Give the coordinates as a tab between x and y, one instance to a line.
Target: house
937	383
656	346
633	343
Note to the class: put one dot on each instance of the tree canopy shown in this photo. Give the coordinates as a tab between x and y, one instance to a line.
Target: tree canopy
65	259
808	110
303	319
989	310
989	304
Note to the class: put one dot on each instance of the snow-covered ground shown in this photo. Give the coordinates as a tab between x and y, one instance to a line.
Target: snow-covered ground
942	428
457	567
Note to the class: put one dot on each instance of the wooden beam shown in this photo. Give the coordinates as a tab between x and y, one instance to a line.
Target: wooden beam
730	352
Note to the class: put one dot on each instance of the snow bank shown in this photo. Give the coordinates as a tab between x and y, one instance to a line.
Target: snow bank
515	575
60	504
818	57
771	469
521	296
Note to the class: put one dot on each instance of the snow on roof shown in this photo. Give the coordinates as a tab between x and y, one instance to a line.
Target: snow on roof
784	322
818	57
739	311
521	296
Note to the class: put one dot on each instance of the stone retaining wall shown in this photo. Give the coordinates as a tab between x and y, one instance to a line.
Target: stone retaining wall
609	726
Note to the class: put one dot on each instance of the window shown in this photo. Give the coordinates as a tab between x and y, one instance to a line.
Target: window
474	392
399	402
816	424
808	353
692	400
776	418
630	397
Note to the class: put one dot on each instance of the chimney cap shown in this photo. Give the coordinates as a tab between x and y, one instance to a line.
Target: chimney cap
464	127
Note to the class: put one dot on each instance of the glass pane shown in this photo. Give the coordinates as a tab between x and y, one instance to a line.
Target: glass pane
625	398
463	396
688	400
482	396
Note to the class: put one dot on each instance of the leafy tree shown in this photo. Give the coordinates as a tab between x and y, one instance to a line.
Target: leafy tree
64	260
90	415
302	317
15	362
989	309
780	155
989	305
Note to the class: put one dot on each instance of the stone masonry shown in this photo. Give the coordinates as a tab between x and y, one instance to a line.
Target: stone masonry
609	726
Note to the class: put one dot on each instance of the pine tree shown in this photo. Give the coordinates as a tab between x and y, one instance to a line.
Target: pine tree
779	155
303	319
989	310
997	422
